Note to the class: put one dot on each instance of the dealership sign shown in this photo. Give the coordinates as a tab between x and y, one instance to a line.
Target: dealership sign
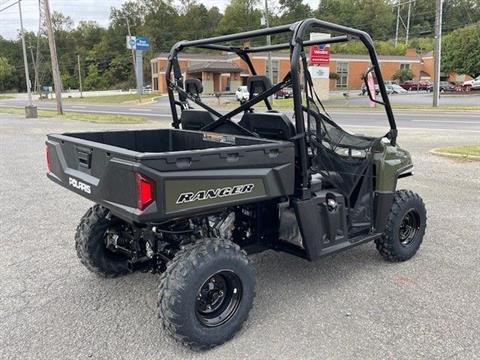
319	55
138	43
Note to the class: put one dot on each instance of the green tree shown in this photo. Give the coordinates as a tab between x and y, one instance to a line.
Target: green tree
294	10
7	74
195	22
461	51
240	15
94	79
402	75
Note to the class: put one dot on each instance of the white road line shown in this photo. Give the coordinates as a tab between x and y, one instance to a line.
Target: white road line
408	128
448	122
140	109
78	107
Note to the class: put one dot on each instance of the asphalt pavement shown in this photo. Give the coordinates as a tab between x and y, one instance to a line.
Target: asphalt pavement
424	119
352	305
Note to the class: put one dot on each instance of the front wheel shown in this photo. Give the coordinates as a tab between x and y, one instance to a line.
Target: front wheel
405	227
206	293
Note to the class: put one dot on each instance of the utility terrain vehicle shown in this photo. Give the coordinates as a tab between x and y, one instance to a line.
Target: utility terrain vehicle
191	202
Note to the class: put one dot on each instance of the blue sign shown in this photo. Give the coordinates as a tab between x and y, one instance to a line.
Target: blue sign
142	43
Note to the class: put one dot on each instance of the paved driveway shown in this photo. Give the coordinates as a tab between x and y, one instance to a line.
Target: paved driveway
349	306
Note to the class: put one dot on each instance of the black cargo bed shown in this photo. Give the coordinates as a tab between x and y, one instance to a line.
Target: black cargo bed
102	167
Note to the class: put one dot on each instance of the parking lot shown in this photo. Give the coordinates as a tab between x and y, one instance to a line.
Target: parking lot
352	305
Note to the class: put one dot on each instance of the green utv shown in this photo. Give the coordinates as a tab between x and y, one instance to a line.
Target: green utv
193	201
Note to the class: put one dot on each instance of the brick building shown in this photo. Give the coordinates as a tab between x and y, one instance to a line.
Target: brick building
225	72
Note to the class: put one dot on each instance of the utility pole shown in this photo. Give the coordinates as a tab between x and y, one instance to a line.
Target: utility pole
57	81
408	22
25	61
406	26
35	71
80	76
398	23
269	42
437	52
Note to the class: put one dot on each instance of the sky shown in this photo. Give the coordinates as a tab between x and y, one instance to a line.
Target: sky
78	10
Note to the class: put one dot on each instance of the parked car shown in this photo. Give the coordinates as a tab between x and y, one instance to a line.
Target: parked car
363	89
412	85
284	93
242	93
395	89
476	83
446	86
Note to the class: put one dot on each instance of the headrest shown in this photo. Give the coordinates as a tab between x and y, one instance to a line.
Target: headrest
193	87
258	84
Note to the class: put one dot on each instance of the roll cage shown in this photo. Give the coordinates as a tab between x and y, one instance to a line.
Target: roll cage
297	46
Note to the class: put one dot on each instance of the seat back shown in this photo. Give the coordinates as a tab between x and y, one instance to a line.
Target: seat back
269	125
195	119
258	84
193	87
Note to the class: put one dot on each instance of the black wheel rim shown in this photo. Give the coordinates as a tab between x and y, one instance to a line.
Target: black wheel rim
409	227
218	298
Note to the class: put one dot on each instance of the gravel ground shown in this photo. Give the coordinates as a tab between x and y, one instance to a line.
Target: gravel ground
348	306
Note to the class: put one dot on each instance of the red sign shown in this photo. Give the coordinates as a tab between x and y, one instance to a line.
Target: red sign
319	55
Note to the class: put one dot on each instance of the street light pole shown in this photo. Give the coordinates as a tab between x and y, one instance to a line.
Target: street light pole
437	53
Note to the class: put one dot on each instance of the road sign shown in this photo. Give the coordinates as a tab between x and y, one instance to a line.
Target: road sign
138	43
142	43
319	55
131	42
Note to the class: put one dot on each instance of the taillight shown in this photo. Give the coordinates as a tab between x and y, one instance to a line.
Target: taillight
48	159
145	191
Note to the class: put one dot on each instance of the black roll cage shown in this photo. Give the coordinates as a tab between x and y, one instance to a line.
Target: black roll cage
296	46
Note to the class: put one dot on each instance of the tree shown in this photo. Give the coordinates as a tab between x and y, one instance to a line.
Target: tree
195	21
294	10
7	74
240	15
461	51
402	75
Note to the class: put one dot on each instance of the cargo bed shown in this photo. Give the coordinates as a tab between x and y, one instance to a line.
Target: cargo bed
185	171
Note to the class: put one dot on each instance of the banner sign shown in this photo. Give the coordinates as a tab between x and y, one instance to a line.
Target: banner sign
319	55
371	88
319	72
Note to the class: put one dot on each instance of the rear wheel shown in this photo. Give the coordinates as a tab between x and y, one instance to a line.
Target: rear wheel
405	227
91	243
206	293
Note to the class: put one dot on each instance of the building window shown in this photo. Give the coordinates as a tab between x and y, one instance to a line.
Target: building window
342	71
155	84
404	66
275	66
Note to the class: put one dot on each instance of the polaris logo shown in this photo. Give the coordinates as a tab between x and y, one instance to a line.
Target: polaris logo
77	184
201	195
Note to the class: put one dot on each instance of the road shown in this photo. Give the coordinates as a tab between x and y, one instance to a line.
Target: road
160	111
352	305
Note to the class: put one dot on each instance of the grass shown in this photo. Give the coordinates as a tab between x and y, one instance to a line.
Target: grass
96	118
466	150
4	97
110	99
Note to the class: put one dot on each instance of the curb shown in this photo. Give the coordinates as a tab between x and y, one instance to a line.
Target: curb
455	156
